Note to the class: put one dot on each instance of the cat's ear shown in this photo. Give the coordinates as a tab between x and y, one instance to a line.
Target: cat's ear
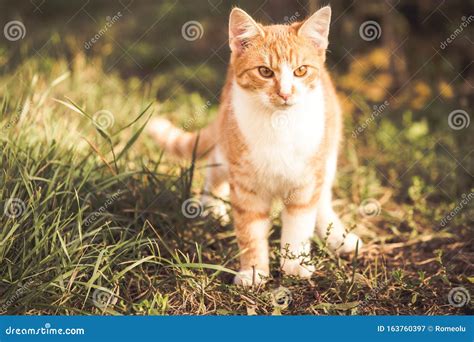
242	28
316	27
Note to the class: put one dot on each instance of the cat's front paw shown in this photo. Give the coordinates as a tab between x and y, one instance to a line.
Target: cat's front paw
351	242
297	268
249	277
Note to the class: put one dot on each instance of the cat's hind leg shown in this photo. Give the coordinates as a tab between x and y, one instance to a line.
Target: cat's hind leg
328	224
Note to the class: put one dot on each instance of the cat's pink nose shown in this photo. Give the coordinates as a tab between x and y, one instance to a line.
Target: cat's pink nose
284	96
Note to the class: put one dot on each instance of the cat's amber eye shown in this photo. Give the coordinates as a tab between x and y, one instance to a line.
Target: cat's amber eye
265	72
301	71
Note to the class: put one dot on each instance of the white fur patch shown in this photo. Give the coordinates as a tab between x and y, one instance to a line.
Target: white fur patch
250	277
297	231
286	79
281	141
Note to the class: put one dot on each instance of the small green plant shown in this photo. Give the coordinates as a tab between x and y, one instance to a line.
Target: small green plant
91	211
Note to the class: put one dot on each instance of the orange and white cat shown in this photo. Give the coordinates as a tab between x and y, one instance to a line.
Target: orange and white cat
276	136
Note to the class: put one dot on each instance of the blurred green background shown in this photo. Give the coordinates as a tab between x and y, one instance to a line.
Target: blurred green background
146	41
400	83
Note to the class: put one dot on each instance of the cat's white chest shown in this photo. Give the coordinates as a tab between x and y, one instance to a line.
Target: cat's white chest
281	144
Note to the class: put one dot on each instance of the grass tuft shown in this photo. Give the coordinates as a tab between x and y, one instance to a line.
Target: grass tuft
91	213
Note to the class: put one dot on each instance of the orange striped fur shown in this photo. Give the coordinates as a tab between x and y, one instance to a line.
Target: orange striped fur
276	137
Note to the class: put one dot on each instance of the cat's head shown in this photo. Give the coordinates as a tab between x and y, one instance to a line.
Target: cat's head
278	64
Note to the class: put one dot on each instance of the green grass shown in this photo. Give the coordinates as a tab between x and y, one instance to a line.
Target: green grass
99	227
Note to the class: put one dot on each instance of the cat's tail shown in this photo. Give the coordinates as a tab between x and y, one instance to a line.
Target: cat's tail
180	143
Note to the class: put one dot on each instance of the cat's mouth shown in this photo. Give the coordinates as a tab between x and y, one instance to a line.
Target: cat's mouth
285	104
278	103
